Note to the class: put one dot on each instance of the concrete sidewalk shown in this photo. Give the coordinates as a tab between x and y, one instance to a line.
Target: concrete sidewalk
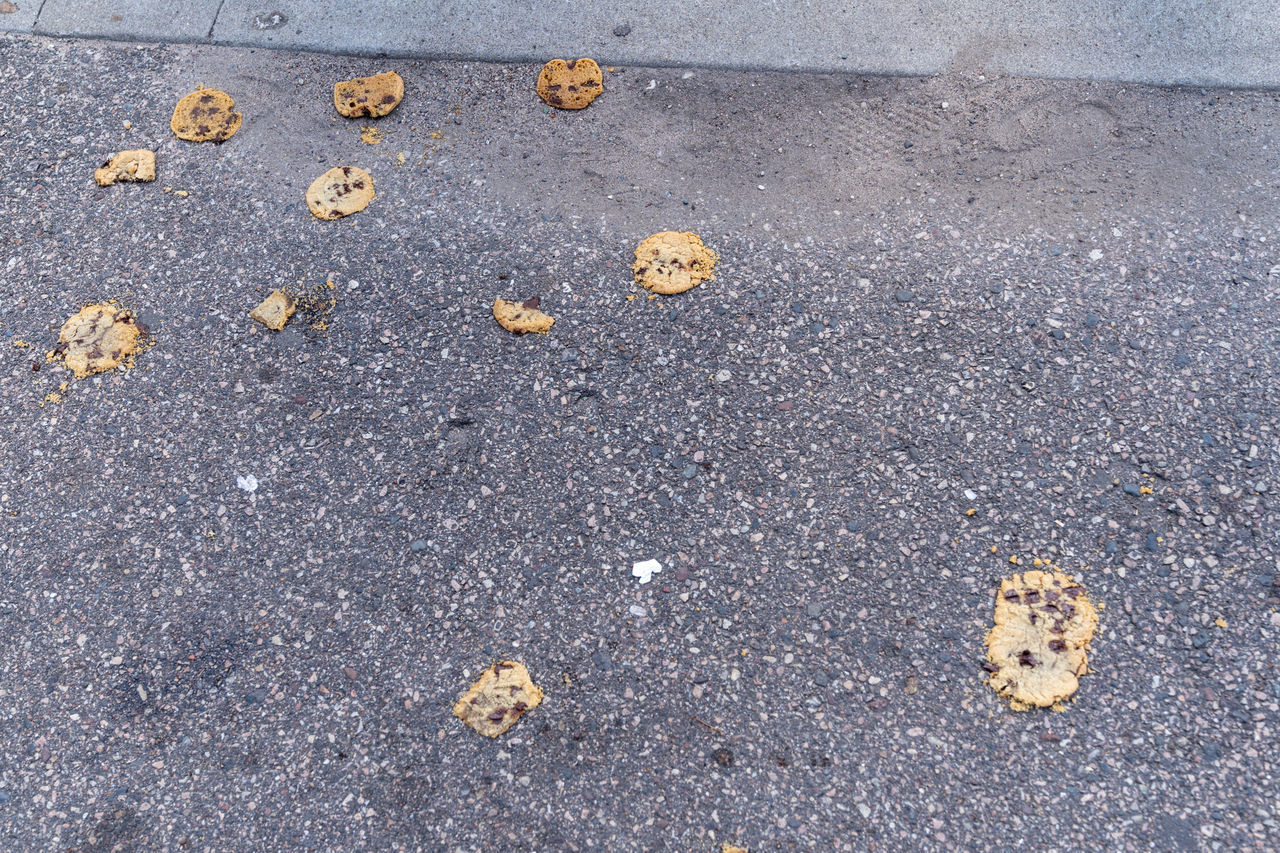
1233	43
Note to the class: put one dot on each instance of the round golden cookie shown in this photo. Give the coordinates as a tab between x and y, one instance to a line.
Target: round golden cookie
97	338
1039	646
206	115
521	317
369	96
339	192
673	262
570	85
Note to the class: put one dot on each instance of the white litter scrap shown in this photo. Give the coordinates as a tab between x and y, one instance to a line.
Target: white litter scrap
248	482
645	570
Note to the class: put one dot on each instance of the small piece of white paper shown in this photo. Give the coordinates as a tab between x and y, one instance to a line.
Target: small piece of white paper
248	482
645	570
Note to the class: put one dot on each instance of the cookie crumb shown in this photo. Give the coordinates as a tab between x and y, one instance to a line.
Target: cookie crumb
371	97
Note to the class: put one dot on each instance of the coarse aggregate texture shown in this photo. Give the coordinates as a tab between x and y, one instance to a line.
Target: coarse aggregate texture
242	584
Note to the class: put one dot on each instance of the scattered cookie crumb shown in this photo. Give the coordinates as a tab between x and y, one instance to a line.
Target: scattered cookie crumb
732	848
18	343
274	311
206	115
570	85
499	698
370	135
98	338
671	262
128	166
369	96
1039	646
521	317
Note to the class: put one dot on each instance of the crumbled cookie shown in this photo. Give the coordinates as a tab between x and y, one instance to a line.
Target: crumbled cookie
520	317
98	338
570	85
340	192
206	115
135	165
500	697
671	262
1039	646
274	311
369	96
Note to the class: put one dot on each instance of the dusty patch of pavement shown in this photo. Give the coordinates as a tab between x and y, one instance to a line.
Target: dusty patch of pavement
243	582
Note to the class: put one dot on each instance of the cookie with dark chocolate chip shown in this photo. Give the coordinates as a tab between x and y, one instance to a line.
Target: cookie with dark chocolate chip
500	697
369	96
206	115
672	262
521	317
339	192
570	85
97	338
1039	646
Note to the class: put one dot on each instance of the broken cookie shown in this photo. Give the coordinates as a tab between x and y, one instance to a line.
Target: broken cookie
340	192
1039	646
206	115
135	165
98	338
673	262
570	85
274	311
369	96
501	696
521	317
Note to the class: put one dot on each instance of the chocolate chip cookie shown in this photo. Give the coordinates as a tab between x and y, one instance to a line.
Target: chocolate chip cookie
570	85
340	192
1039	646
369	96
206	115
503	694
135	165
673	262
521	317
98	338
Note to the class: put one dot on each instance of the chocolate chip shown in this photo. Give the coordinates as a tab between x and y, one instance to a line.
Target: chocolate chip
1032	596
1025	658
1057	646
519	707
989	666
499	667
553	86
531	304
1068	610
204	99
388	99
497	715
1074	591
1012	595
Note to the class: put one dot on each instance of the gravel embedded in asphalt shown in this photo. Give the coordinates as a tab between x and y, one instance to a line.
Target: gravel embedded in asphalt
197	664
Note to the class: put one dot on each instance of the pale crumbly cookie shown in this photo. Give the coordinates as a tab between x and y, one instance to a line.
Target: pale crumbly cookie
726	847
369	96
673	262
340	192
98	338
1039	646
520	317
206	115
136	165
501	696
570	85
274	311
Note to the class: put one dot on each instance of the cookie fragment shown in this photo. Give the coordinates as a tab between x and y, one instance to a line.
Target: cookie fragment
97	338
134	165
498	699
339	192
1039	646
672	262
206	115
369	96
274	311
521	317
570	85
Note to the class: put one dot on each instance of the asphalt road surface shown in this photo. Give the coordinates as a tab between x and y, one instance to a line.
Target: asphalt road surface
1051	303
